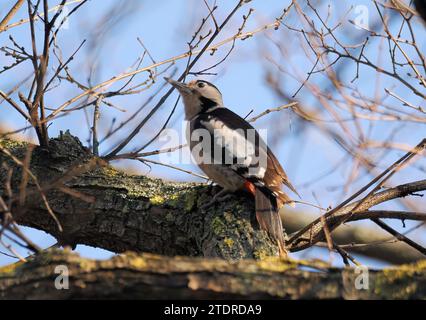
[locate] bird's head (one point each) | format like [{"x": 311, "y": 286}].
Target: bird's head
[{"x": 198, "y": 96}]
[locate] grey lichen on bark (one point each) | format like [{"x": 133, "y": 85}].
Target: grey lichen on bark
[{"x": 131, "y": 212}]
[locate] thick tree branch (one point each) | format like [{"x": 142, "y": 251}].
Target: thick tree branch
[
  {"x": 132, "y": 212},
  {"x": 157, "y": 277},
  {"x": 106, "y": 208}
]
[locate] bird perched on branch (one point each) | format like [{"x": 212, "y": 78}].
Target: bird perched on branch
[{"x": 233, "y": 155}]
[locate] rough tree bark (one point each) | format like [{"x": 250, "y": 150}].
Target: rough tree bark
[
  {"x": 106, "y": 208},
  {"x": 131, "y": 212},
  {"x": 150, "y": 276},
  {"x": 150, "y": 215}
]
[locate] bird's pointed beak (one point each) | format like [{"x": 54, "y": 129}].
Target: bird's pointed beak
[{"x": 180, "y": 86}]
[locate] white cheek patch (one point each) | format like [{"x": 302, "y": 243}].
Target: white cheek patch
[{"x": 212, "y": 93}]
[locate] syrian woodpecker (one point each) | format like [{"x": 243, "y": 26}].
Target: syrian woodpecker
[{"x": 232, "y": 153}]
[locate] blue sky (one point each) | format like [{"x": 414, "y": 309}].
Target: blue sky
[{"x": 165, "y": 27}]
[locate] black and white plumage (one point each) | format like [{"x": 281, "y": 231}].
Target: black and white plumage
[{"x": 233, "y": 155}]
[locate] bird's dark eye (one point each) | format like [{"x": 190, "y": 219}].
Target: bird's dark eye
[{"x": 201, "y": 84}]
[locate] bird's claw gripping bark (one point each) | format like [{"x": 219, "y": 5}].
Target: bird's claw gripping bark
[{"x": 218, "y": 197}]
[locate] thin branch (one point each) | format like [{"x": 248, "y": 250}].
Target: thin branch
[
  {"x": 267, "y": 111},
  {"x": 10, "y": 14},
  {"x": 169, "y": 92}
]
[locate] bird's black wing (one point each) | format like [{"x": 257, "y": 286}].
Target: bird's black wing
[{"x": 275, "y": 174}]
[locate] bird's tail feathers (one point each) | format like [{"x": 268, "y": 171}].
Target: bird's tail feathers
[
  {"x": 269, "y": 219},
  {"x": 282, "y": 198}
]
